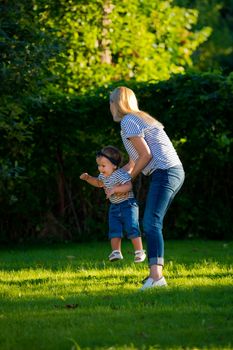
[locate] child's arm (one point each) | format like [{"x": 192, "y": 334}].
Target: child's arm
[
  {"x": 123, "y": 188},
  {"x": 94, "y": 181}
]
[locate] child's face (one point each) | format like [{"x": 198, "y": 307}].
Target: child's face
[{"x": 105, "y": 166}]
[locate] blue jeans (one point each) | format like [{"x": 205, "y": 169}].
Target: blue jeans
[
  {"x": 123, "y": 217},
  {"x": 164, "y": 186}
]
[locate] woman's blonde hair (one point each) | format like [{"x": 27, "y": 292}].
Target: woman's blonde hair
[{"x": 126, "y": 102}]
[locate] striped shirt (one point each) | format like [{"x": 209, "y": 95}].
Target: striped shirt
[
  {"x": 164, "y": 155},
  {"x": 118, "y": 177}
]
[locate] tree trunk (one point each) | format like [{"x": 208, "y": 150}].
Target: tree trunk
[{"x": 106, "y": 56}]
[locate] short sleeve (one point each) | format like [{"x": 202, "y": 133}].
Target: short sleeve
[
  {"x": 123, "y": 176},
  {"x": 101, "y": 177},
  {"x": 131, "y": 127}
]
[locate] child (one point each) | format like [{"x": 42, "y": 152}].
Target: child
[{"x": 123, "y": 211}]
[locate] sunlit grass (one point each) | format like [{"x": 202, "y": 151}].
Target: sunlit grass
[{"x": 71, "y": 297}]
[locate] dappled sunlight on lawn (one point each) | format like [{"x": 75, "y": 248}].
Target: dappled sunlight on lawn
[{"x": 96, "y": 304}]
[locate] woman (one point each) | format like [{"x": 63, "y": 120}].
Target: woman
[{"x": 152, "y": 153}]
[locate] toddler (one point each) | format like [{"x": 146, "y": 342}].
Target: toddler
[{"x": 123, "y": 210}]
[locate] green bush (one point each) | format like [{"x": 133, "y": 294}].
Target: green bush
[
  {"x": 50, "y": 139},
  {"x": 196, "y": 111}
]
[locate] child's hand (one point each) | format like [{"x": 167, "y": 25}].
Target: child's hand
[{"x": 84, "y": 176}]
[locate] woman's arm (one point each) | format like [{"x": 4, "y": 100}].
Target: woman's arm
[
  {"x": 123, "y": 188},
  {"x": 144, "y": 155},
  {"x": 94, "y": 181},
  {"x": 129, "y": 166}
]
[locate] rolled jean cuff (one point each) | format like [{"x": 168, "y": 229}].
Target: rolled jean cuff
[
  {"x": 135, "y": 235},
  {"x": 156, "y": 261}
]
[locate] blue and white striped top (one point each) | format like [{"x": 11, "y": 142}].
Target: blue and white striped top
[
  {"x": 164, "y": 155},
  {"x": 118, "y": 177}
]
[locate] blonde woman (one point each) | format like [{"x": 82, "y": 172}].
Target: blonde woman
[{"x": 152, "y": 153}]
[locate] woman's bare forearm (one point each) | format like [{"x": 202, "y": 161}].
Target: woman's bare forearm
[{"x": 144, "y": 155}]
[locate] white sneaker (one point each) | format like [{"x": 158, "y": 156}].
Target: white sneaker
[
  {"x": 151, "y": 283},
  {"x": 140, "y": 256},
  {"x": 115, "y": 255}
]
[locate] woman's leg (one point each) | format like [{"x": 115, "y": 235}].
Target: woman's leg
[{"x": 163, "y": 188}]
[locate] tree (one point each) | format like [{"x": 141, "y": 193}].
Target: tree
[
  {"x": 117, "y": 40},
  {"x": 25, "y": 49},
  {"x": 216, "y": 52}
]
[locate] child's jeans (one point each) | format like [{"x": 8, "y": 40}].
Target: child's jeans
[{"x": 123, "y": 217}]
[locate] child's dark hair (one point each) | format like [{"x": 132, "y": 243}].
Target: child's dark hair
[{"x": 111, "y": 153}]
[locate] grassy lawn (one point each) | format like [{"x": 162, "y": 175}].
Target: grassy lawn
[{"x": 70, "y": 297}]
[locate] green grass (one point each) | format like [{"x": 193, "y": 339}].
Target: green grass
[{"x": 70, "y": 297}]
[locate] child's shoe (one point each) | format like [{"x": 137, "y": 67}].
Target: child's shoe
[
  {"x": 140, "y": 256},
  {"x": 115, "y": 255}
]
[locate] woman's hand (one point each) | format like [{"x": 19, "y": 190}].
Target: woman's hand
[
  {"x": 109, "y": 192},
  {"x": 120, "y": 191}
]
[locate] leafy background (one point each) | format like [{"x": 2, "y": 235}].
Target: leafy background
[{"x": 60, "y": 59}]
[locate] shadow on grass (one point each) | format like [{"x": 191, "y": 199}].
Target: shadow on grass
[
  {"x": 94, "y": 255},
  {"x": 110, "y": 311},
  {"x": 200, "y": 317}
]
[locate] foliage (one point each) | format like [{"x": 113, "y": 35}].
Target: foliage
[
  {"x": 196, "y": 111},
  {"x": 41, "y": 194},
  {"x": 24, "y": 54},
  {"x": 25, "y": 49},
  {"x": 216, "y": 52},
  {"x": 50, "y": 50},
  {"x": 119, "y": 40},
  {"x": 77, "y": 299}
]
